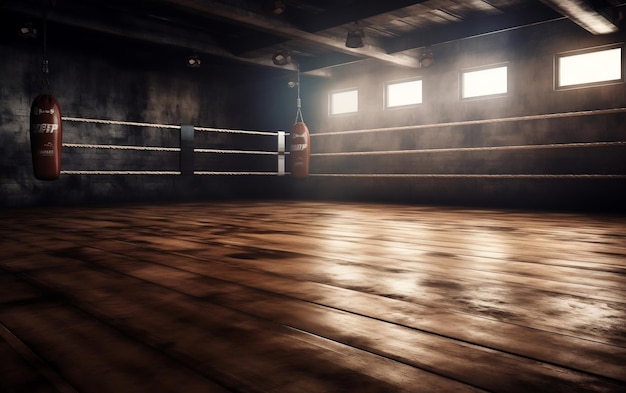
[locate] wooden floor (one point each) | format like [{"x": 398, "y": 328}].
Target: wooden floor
[{"x": 310, "y": 297}]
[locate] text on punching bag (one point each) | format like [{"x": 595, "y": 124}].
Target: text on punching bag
[{"x": 46, "y": 128}]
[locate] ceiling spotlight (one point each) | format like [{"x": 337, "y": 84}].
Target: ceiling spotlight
[
  {"x": 28, "y": 30},
  {"x": 276, "y": 7},
  {"x": 426, "y": 58},
  {"x": 194, "y": 61},
  {"x": 355, "y": 39},
  {"x": 281, "y": 57}
]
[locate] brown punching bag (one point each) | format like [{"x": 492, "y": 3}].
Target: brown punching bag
[
  {"x": 46, "y": 132},
  {"x": 300, "y": 150}
]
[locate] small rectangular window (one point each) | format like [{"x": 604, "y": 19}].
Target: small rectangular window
[
  {"x": 403, "y": 93},
  {"x": 491, "y": 81},
  {"x": 342, "y": 102},
  {"x": 589, "y": 68}
]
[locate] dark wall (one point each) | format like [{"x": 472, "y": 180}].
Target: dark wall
[
  {"x": 97, "y": 77},
  {"x": 557, "y": 175}
]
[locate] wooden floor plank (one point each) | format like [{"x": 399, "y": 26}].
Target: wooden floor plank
[
  {"x": 490, "y": 333},
  {"x": 188, "y": 330},
  {"x": 325, "y": 296},
  {"x": 16, "y": 375},
  {"x": 95, "y": 358},
  {"x": 187, "y": 276},
  {"x": 483, "y": 293},
  {"x": 424, "y": 351}
]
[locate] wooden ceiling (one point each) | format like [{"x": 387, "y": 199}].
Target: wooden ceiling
[{"x": 313, "y": 32}]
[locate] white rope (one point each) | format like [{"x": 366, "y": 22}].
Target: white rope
[
  {"x": 117, "y": 122},
  {"x": 121, "y": 172},
  {"x": 472, "y": 176},
  {"x": 171, "y": 126},
  {"x": 221, "y": 151},
  {"x": 483, "y": 148},
  {"x": 120, "y": 147},
  {"x": 361, "y": 175},
  {"x": 231, "y": 131},
  {"x": 476, "y": 122},
  {"x": 216, "y": 173}
]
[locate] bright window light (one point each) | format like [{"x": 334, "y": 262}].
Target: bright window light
[
  {"x": 404, "y": 93},
  {"x": 485, "y": 82},
  {"x": 590, "y": 67},
  {"x": 344, "y": 102}
]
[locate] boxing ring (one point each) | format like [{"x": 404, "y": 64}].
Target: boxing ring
[
  {"x": 188, "y": 149},
  {"x": 186, "y": 146}
]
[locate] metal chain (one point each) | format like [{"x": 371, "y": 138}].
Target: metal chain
[
  {"x": 299, "y": 101},
  {"x": 45, "y": 80}
]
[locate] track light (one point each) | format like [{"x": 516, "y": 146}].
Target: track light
[
  {"x": 276, "y": 7},
  {"x": 355, "y": 39},
  {"x": 194, "y": 61},
  {"x": 28, "y": 30},
  {"x": 281, "y": 57},
  {"x": 426, "y": 58}
]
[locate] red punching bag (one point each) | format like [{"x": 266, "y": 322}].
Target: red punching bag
[
  {"x": 46, "y": 132},
  {"x": 300, "y": 150}
]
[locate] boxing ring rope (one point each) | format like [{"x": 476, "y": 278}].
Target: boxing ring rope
[
  {"x": 230, "y": 131},
  {"x": 280, "y": 152},
  {"x": 238, "y": 173},
  {"x": 70, "y": 172},
  {"x": 473, "y": 149},
  {"x": 119, "y": 123},
  {"x": 120, "y": 147},
  {"x": 482, "y": 148},
  {"x": 469, "y": 176},
  {"x": 571, "y": 145},
  {"x": 545, "y": 116},
  {"x": 222, "y": 151}
]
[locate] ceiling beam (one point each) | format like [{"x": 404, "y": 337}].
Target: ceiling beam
[
  {"x": 583, "y": 14},
  {"x": 512, "y": 19},
  {"x": 342, "y": 15},
  {"x": 275, "y": 26}
]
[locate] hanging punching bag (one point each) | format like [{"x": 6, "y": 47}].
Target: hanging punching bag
[
  {"x": 46, "y": 132},
  {"x": 300, "y": 150}
]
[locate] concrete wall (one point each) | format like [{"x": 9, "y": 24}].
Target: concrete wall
[
  {"x": 529, "y": 54},
  {"x": 150, "y": 85},
  {"x": 103, "y": 80}
]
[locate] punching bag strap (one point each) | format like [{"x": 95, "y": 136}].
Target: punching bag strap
[
  {"x": 299, "y": 101},
  {"x": 45, "y": 81}
]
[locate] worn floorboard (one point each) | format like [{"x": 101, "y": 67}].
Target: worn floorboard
[{"x": 293, "y": 296}]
